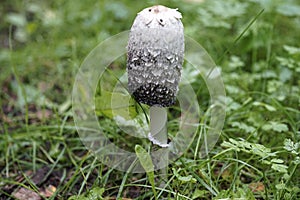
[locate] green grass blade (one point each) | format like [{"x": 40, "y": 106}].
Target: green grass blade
[{"x": 241, "y": 34}]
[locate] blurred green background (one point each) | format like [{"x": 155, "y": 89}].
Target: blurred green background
[{"x": 256, "y": 45}]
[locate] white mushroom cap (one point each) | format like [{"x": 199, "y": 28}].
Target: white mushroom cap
[
  {"x": 155, "y": 55},
  {"x": 158, "y": 15}
]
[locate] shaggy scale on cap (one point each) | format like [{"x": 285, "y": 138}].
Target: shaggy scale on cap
[{"x": 155, "y": 56}]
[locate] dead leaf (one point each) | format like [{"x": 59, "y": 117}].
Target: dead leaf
[
  {"x": 26, "y": 194},
  {"x": 257, "y": 187},
  {"x": 49, "y": 191}
]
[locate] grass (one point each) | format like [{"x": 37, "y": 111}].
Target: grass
[{"x": 257, "y": 154}]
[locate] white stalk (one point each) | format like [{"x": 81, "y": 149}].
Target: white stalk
[{"x": 158, "y": 126}]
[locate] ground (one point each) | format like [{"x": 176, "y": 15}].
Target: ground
[{"x": 255, "y": 45}]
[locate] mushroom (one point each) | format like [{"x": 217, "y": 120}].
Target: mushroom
[{"x": 154, "y": 64}]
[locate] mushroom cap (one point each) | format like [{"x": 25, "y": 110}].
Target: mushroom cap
[{"x": 155, "y": 56}]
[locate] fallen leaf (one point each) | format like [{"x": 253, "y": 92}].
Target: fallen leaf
[
  {"x": 49, "y": 191},
  {"x": 257, "y": 187},
  {"x": 26, "y": 194}
]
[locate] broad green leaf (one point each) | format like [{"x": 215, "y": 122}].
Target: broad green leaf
[
  {"x": 230, "y": 103},
  {"x": 261, "y": 150},
  {"x": 188, "y": 178},
  {"x": 279, "y": 167},
  {"x": 145, "y": 158},
  {"x": 96, "y": 193},
  {"x": 16, "y": 19},
  {"x": 296, "y": 161},
  {"x": 274, "y": 85},
  {"x": 292, "y": 147},
  {"x": 227, "y": 9},
  {"x": 280, "y": 186},
  {"x": 291, "y": 50},
  {"x": 235, "y": 62},
  {"x": 275, "y": 126},
  {"x": 243, "y": 144},
  {"x": 115, "y": 104},
  {"x": 199, "y": 193},
  {"x": 243, "y": 126},
  {"x": 209, "y": 20},
  {"x": 289, "y": 10},
  {"x": 175, "y": 171},
  {"x": 256, "y": 149},
  {"x": 146, "y": 162},
  {"x": 268, "y": 107},
  {"x": 276, "y": 160},
  {"x": 269, "y": 74},
  {"x": 230, "y": 145},
  {"x": 285, "y": 75},
  {"x": 286, "y": 62}
]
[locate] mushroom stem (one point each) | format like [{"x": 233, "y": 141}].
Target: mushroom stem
[
  {"x": 159, "y": 136},
  {"x": 158, "y": 126}
]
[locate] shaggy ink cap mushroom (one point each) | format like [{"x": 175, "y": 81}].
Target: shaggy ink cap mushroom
[{"x": 155, "y": 56}]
